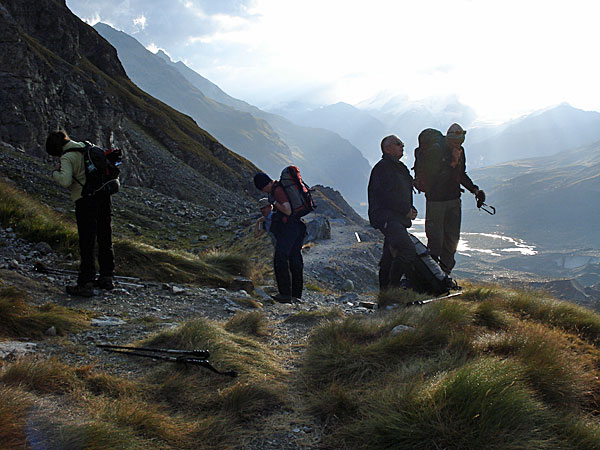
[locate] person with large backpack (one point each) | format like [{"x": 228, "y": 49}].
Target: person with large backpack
[
  {"x": 84, "y": 169},
  {"x": 391, "y": 211},
  {"x": 440, "y": 170},
  {"x": 291, "y": 200}
]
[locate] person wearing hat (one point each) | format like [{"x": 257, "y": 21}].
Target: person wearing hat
[
  {"x": 391, "y": 211},
  {"x": 289, "y": 232},
  {"x": 263, "y": 224},
  {"x": 443, "y": 213}
]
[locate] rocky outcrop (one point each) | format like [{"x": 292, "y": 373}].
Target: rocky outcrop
[
  {"x": 57, "y": 72},
  {"x": 330, "y": 203}
]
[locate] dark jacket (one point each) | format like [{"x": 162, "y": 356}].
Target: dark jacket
[
  {"x": 444, "y": 180},
  {"x": 390, "y": 193}
]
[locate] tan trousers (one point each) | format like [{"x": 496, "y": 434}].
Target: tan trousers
[{"x": 442, "y": 226}]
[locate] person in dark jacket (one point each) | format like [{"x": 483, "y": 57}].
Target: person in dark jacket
[
  {"x": 93, "y": 215},
  {"x": 443, "y": 207},
  {"x": 289, "y": 232},
  {"x": 391, "y": 211}
]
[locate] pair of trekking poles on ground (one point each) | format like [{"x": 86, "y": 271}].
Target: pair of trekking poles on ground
[{"x": 187, "y": 357}]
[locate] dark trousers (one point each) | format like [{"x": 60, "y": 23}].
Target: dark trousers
[
  {"x": 398, "y": 255},
  {"x": 442, "y": 226},
  {"x": 288, "y": 263},
  {"x": 93, "y": 216}
]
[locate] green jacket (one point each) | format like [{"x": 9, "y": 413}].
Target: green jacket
[{"x": 71, "y": 169}]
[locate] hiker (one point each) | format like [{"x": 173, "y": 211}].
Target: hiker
[
  {"x": 93, "y": 215},
  {"x": 289, "y": 234},
  {"x": 443, "y": 205},
  {"x": 391, "y": 211},
  {"x": 263, "y": 224}
]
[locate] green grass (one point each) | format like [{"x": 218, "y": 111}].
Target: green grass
[
  {"x": 172, "y": 406},
  {"x": 36, "y": 222},
  {"x": 249, "y": 323},
  {"x": 20, "y": 319},
  {"x": 494, "y": 369}
]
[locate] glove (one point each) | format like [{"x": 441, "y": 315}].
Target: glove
[{"x": 480, "y": 196}]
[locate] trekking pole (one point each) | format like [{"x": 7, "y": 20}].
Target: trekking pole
[
  {"x": 39, "y": 267},
  {"x": 430, "y": 300},
  {"x": 488, "y": 209},
  {"x": 183, "y": 359},
  {"x": 199, "y": 353}
]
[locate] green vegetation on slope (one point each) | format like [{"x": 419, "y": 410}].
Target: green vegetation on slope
[
  {"x": 172, "y": 407},
  {"x": 495, "y": 369},
  {"x": 36, "y": 222}
]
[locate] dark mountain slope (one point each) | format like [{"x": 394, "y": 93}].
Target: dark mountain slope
[{"x": 58, "y": 72}]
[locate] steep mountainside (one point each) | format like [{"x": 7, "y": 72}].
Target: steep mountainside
[
  {"x": 72, "y": 79},
  {"x": 552, "y": 200},
  {"x": 323, "y": 156},
  {"x": 245, "y": 134}
]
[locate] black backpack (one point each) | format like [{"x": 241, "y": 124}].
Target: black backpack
[
  {"x": 297, "y": 191},
  {"x": 101, "y": 170},
  {"x": 430, "y": 145},
  {"x": 426, "y": 276}
]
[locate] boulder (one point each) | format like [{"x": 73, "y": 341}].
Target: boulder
[{"x": 318, "y": 228}]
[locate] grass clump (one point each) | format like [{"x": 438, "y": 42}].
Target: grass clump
[
  {"x": 14, "y": 406},
  {"x": 35, "y": 221},
  {"x": 173, "y": 406},
  {"x": 483, "y": 404},
  {"x": 143, "y": 261},
  {"x": 20, "y": 319},
  {"x": 398, "y": 296},
  {"x": 249, "y": 323},
  {"x": 41, "y": 376},
  {"x": 493, "y": 368}
]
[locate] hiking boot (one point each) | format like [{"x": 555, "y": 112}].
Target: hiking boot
[
  {"x": 104, "y": 283},
  {"x": 282, "y": 298},
  {"x": 81, "y": 290}
]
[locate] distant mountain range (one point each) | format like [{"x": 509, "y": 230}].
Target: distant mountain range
[
  {"x": 551, "y": 200},
  {"x": 268, "y": 140},
  {"x": 542, "y": 133}
]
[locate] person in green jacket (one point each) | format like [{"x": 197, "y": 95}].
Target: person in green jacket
[{"x": 93, "y": 214}]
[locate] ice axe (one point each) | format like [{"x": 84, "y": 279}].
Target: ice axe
[{"x": 487, "y": 208}]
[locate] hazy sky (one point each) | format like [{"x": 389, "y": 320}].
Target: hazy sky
[{"x": 502, "y": 57}]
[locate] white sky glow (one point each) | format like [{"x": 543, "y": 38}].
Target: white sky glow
[{"x": 501, "y": 57}]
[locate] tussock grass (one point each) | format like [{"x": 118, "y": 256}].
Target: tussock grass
[
  {"x": 538, "y": 306},
  {"x": 398, "y": 296},
  {"x": 483, "y": 404},
  {"x": 20, "y": 319},
  {"x": 35, "y": 221},
  {"x": 14, "y": 405},
  {"x": 41, "y": 376},
  {"x": 171, "y": 407},
  {"x": 250, "y": 323},
  {"x": 147, "y": 262},
  {"x": 493, "y": 368},
  {"x": 88, "y": 435}
]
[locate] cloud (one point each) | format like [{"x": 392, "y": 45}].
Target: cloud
[
  {"x": 140, "y": 22},
  {"x": 501, "y": 57}
]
